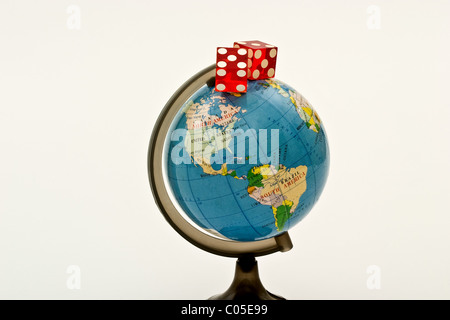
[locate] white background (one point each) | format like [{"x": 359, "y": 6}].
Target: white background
[{"x": 77, "y": 107}]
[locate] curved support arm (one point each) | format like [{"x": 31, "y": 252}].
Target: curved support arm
[{"x": 202, "y": 240}]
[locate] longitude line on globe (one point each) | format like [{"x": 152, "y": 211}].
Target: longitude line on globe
[
  {"x": 260, "y": 151},
  {"x": 243, "y": 213},
  {"x": 309, "y": 154}
]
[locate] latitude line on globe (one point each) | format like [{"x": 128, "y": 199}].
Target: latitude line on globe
[
  {"x": 238, "y": 167},
  {"x": 210, "y": 199}
]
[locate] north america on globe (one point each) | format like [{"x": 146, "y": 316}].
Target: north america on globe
[{"x": 247, "y": 166}]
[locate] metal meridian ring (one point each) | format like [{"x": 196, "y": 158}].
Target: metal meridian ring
[{"x": 228, "y": 248}]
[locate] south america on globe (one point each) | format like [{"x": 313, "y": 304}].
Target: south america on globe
[{"x": 247, "y": 166}]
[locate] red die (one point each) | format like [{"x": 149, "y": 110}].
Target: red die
[
  {"x": 262, "y": 58},
  {"x": 231, "y": 70}
]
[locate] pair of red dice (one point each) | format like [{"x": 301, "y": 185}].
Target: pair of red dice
[{"x": 252, "y": 60}]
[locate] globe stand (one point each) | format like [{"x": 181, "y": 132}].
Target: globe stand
[{"x": 246, "y": 284}]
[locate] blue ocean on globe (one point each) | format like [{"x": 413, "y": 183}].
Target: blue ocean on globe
[{"x": 247, "y": 166}]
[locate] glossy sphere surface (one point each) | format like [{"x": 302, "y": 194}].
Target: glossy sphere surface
[{"x": 247, "y": 166}]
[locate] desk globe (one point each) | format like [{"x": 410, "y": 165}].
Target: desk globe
[{"x": 233, "y": 172}]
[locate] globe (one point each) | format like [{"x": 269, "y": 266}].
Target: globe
[{"x": 246, "y": 166}]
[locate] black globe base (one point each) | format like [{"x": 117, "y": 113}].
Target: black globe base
[{"x": 246, "y": 284}]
